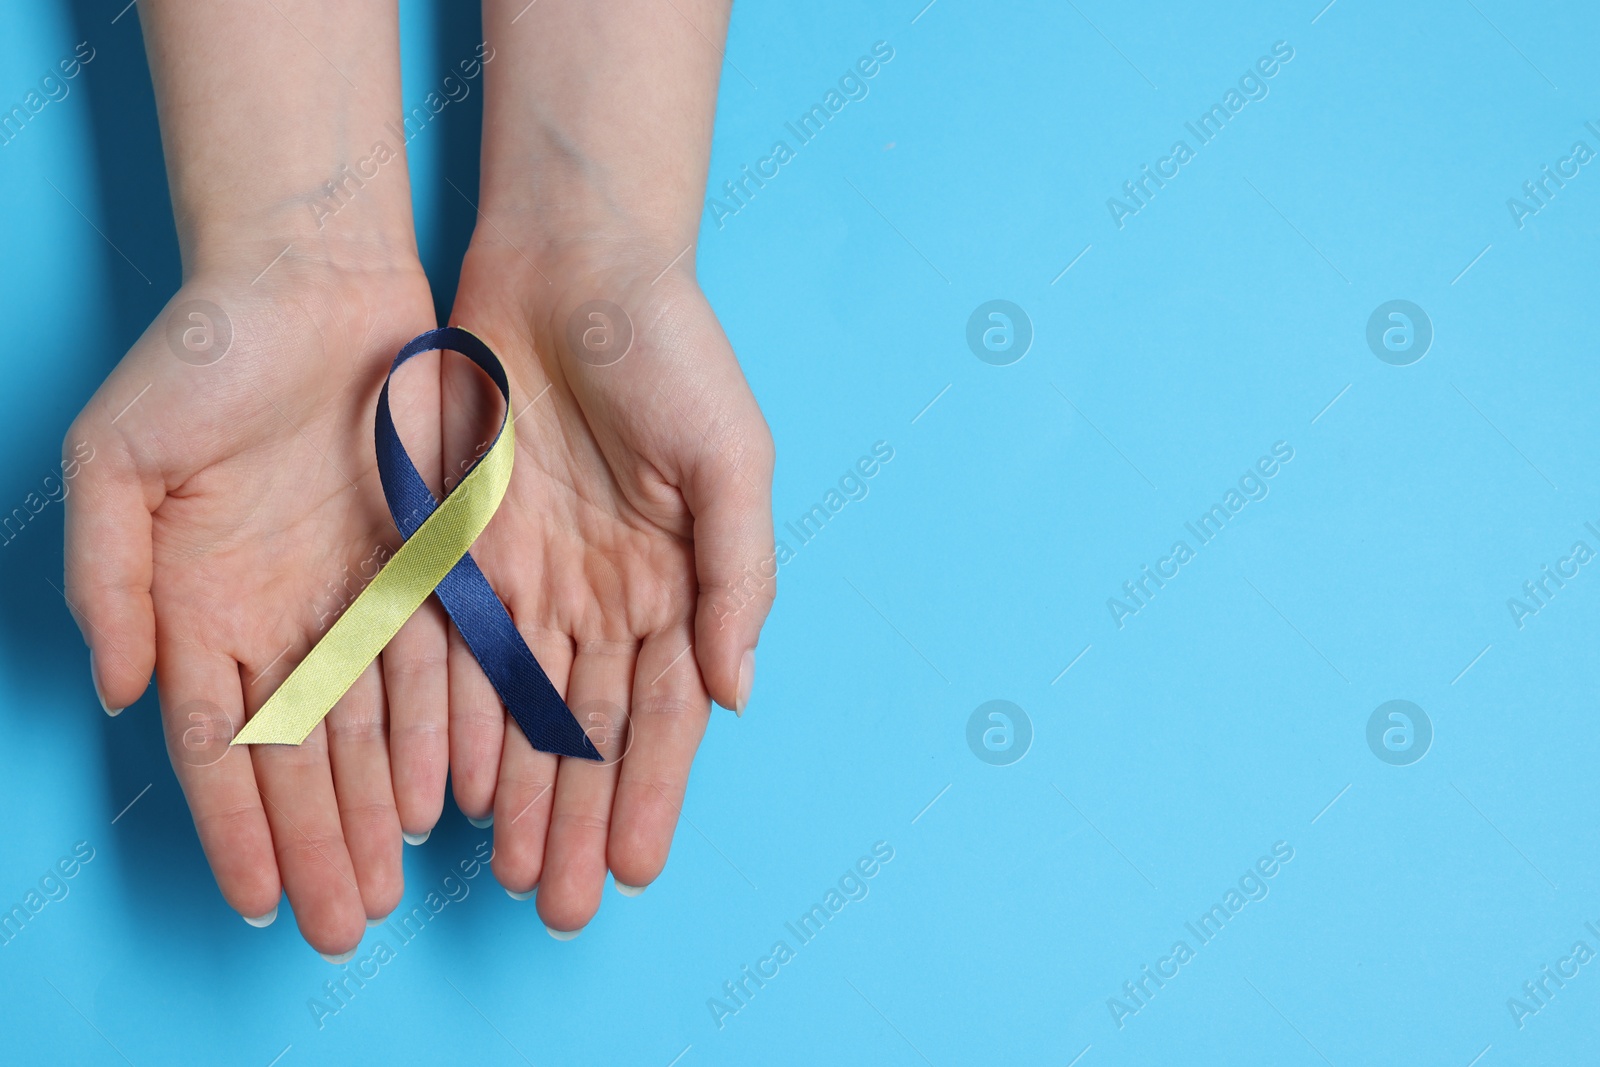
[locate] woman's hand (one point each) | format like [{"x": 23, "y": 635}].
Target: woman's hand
[
  {"x": 633, "y": 550},
  {"x": 230, "y": 512}
]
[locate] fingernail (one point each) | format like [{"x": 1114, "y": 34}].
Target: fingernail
[
  {"x": 483, "y": 823},
  {"x": 262, "y": 920},
  {"x": 564, "y": 935},
  {"x": 523, "y": 896},
  {"x": 747, "y": 678},
  {"x": 343, "y": 957},
  {"x": 415, "y": 839},
  {"x": 94, "y": 676},
  {"x": 377, "y": 922},
  {"x": 630, "y": 890}
]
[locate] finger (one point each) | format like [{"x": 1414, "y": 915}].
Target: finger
[
  {"x": 669, "y": 713},
  {"x": 202, "y": 707},
  {"x": 297, "y": 789},
  {"x": 358, "y": 752},
  {"x": 575, "y": 855},
  {"x": 108, "y": 567},
  {"x": 730, "y": 496},
  {"x": 417, "y": 685},
  {"x": 525, "y": 793},
  {"x": 477, "y": 731}
]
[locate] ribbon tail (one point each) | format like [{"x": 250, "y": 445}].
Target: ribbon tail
[
  {"x": 496, "y": 643},
  {"x": 374, "y": 617}
]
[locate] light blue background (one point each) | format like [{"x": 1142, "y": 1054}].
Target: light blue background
[{"x": 1224, "y": 717}]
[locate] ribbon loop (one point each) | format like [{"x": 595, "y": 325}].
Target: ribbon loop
[{"x": 433, "y": 559}]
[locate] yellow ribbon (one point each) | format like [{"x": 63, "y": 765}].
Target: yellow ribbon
[{"x": 374, "y": 617}]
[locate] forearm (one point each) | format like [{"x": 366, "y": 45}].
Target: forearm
[
  {"x": 277, "y": 121},
  {"x": 597, "y": 122}
]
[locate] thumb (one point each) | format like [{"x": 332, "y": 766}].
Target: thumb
[
  {"x": 731, "y": 500},
  {"x": 108, "y": 563}
]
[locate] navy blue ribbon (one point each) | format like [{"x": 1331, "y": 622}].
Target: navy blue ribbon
[{"x": 477, "y": 612}]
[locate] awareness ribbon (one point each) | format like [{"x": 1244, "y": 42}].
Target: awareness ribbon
[{"x": 433, "y": 559}]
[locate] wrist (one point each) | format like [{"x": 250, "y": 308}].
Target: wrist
[
  {"x": 564, "y": 212},
  {"x": 571, "y": 274},
  {"x": 252, "y": 251},
  {"x": 305, "y": 303},
  {"x": 358, "y": 217},
  {"x": 576, "y": 243}
]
